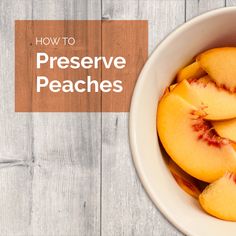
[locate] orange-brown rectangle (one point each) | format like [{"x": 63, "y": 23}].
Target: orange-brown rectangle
[
  {"x": 43, "y": 86},
  {"x": 129, "y": 39}
]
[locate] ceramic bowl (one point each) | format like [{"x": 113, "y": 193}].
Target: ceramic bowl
[{"x": 212, "y": 29}]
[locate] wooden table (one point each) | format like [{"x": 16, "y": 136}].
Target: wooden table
[{"x": 64, "y": 174}]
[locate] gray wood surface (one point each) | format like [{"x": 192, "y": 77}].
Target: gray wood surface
[
  {"x": 67, "y": 149},
  {"x": 16, "y": 133},
  {"x": 196, "y": 7},
  {"x": 72, "y": 174},
  {"x": 230, "y": 3},
  {"x": 123, "y": 198}
]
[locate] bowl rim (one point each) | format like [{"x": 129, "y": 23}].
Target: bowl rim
[{"x": 134, "y": 105}]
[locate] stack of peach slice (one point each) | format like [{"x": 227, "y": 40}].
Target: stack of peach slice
[{"x": 196, "y": 123}]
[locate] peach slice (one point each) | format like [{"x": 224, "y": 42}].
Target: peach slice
[
  {"x": 218, "y": 198},
  {"x": 218, "y": 103},
  {"x": 220, "y": 64},
  {"x": 185, "y": 181},
  {"x": 192, "y": 71},
  {"x": 184, "y": 90},
  {"x": 190, "y": 140},
  {"x": 172, "y": 86},
  {"x": 169, "y": 89},
  {"x": 226, "y": 128}
]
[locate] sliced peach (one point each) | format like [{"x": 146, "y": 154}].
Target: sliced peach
[
  {"x": 220, "y": 64},
  {"x": 192, "y": 71},
  {"x": 218, "y": 103},
  {"x": 172, "y": 86},
  {"x": 218, "y": 198},
  {"x": 226, "y": 128},
  {"x": 184, "y": 90},
  {"x": 169, "y": 89},
  {"x": 184, "y": 180},
  {"x": 190, "y": 140}
]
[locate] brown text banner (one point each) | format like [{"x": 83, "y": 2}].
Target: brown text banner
[{"x": 77, "y": 66}]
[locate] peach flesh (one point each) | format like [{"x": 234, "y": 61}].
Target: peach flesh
[
  {"x": 201, "y": 81},
  {"x": 218, "y": 198},
  {"x": 207, "y": 133},
  {"x": 190, "y": 71},
  {"x": 184, "y": 180},
  {"x": 191, "y": 141},
  {"x": 203, "y": 128},
  {"x": 226, "y": 128},
  {"x": 232, "y": 177},
  {"x": 219, "y": 103},
  {"x": 220, "y": 64}
]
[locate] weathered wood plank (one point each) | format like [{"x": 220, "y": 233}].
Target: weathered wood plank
[
  {"x": 65, "y": 201},
  {"x": 67, "y": 150},
  {"x": 230, "y": 3},
  {"x": 126, "y": 209},
  {"x": 196, "y": 7},
  {"x": 15, "y": 129},
  {"x": 15, "y": 188}
]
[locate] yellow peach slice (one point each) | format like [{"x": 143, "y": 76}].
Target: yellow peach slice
[
  {"x": 226, "y": 128},
  {"x": 172, "y": 86},
  {"x": 220, "y": 64},
  {"x": 192, "y": 71},
  {"x": 184, "y": 90},
  {"x": 218, "y": 198},
  {"x": 190, "y": 140},
  {"x": 169, "y": 89},
  {"x": 218, "y": 103},
  {"x": 185, "y": 181}
]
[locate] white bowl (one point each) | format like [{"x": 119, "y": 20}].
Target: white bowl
[{"x": 212, "y": 29}]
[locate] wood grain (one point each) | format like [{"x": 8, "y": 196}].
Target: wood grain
[
  {"x": 196, "y": 7},
  {"x": 16, "y": 132},
  {"x": 87, "y": 35},
  {"x": 126, "y": 209},
  {"x": 12, "y": 146},
  {"x": 230, "y": 3},
  {"x": 71, "y": 174},
  {"x": 66, "y": 183},
  {"x": 128, "y": 39}
]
